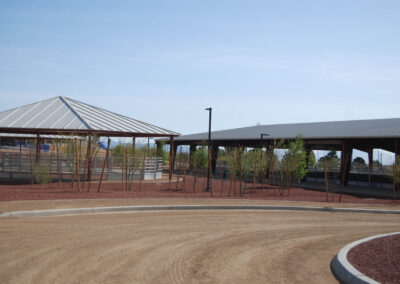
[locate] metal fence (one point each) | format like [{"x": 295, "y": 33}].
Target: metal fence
[{"x": 18, "y": 166}]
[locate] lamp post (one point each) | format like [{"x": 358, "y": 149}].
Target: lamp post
[{"x": 208, "y": 188}]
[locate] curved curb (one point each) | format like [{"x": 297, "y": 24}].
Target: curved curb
[
  {"x": 347, "y": 273},
  {"x": 94, "y": 210}
]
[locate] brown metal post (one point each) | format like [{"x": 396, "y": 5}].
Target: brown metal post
[{"x": 171, "y": 156}]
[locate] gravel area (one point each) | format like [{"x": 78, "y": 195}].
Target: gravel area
[
  {"x": 379, "y": 259},
  {"x": 162, "y": 189}
]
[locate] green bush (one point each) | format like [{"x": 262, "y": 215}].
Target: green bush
[{"x": 41, "y": 173}]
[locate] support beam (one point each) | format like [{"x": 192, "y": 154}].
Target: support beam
[
  {"x": 370, "y": 159},
  {"x": 192, "y": 150},
  {"x": 345, "y": 164},
  {"x": 370, "y": 163}
]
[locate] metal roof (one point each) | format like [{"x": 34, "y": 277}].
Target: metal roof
[
  {"x": 372, "y": 128},
  {"x": 33, "y": 136},
  {"x": 64, "y": 115}
]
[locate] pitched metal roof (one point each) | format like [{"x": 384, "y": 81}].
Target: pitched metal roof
[
  {"x": 372, "y": 128},
  {"x": 65, "y": 115},
  {"x": 33, "y": 136}
]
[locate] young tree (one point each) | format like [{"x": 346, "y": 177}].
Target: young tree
[
  {"x": 200, "y": 163},
  {"x": 359, "y": 164},
  {"x": 332, "y": 160},
  {"x": 162, "y": 153},
  {"x": 294, "y": 161},
  {"x": 312, "y": 162}
]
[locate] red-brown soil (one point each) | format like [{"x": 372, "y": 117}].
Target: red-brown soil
[
  {"x": 164, "y": 189},
  {"x": 379, "y": 259}
]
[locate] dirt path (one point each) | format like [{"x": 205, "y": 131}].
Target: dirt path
[
  {"x": 25, "y": 205},
  {"x": 181, "y": 247}
]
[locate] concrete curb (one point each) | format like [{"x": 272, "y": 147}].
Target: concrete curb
[
  {"x": 347, "y": 273},
  {"x": 97, "y": 210}
]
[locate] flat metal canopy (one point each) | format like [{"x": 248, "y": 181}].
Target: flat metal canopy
[{"x": 352, "y": 129}]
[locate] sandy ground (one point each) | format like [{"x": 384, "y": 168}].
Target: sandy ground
[
  {"x": 181, "y": 247},
  {"x": 26, "y": 205}
]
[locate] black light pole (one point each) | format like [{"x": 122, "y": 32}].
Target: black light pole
[{"x": 208, "y": 188}]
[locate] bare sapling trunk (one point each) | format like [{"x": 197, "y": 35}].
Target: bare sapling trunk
[
  {"x": 51, "y": 166},
  {"x": 394, "y": 178},
  {"x": 142, "y": 174},
  {"x": 77, "y": 165},
  {"x": 194, "y": 179},
  {"x": 233, "y": 177},
  {"x": 326, "y": 180},
  {"x": 290, "y": 177},
  {"x": 210, "y": 172},
  {"x": 104, "y": 164},
  {"x": 254, "y": 179},
  {"x": 123, "y": 172},
  {"x": 273, "y": 176},
  {"x": 126, "y": 167},
  {"x": 184, "y": 175},
  {"x": 91, "y": 164},
  {"x": 178, "y": 176},
  {"x": 31, "y": 162},
  {"x": 84, "y": 168},
  {"x": 71, "y": 164},
  {"x": 58, "y": 165},
  {"x": 221, "y": 176},
  {"x": 132, "y": 168},
  {"x": 204, "y": 176},
  {"x": 87, "y": 165}
]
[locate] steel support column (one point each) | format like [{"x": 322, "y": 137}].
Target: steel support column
[
  {"x": 345, "y": 164},
  {"x": 370, "y": 159}
]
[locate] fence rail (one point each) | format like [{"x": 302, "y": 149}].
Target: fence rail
[{"x": 18, "y": 166}]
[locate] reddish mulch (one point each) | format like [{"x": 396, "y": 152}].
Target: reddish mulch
[
  {"x": 379, "y": 259},
  {"x": 161, "y": 190}
]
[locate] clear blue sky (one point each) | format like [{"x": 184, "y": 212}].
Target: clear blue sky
[{"x": 163, "y": 62}]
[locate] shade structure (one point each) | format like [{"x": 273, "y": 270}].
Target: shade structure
[
  {"x": 62, "y": 115},
  {"x": 352, "y": 129}
]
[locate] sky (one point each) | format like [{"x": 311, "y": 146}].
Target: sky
[{"x": 164, "y": 62}]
